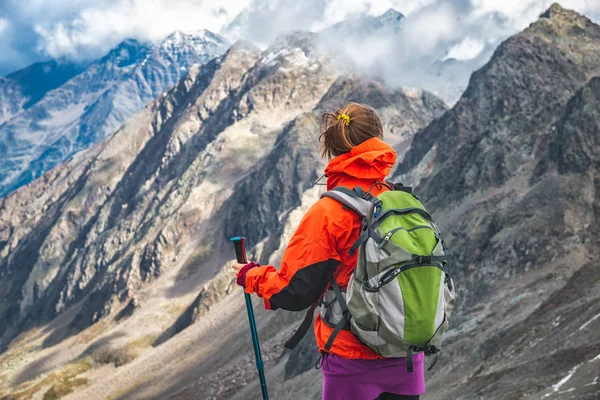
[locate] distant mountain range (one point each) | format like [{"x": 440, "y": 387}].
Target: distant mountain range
[{"x": 53, "y": 110}]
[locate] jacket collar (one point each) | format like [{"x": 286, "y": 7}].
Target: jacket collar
[{"x": 369, "y": 162}]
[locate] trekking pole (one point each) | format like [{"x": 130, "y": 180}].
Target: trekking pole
[{"x": 240, "y": 253}]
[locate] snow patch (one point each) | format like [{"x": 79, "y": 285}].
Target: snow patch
[
  {"x": 595, "y": 382},
  {"x": 566, "y": 391},
  {"x": 589, "y": 322},
  {"x": 413, "y": 93},
  {"x": 564, "y": 380},
  {"x": 182, "y": 42},
  {"x": 597, "y": 358},
  {"x": 294, "y": 58}
]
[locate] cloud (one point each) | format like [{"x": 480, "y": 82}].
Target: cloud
[
  {"x": 442, "y": 42},
  {"x": 88, "y": 28},
  {"x": 467, "y": 49},
  {"x": 96, "y": 28},
  {"x": 264, "y": 20},
  {"x": 3, "y": 25}
]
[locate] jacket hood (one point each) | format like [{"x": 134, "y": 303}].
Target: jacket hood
[{"x": 371, "y": 160}]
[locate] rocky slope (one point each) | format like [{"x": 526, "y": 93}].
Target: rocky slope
[
  {"x": 93, "y": 103},
  {"x": 129, "y": 237},
  {"x": 516, "y": 161}
]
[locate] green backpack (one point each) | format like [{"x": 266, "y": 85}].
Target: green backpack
[{"x": 400, "y": 297}]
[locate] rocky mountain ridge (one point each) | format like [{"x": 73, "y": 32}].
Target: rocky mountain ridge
[{"x": 519, "y": 205}]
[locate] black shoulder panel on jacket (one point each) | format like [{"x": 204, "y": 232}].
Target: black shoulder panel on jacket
[{"x": 305, "y": 287}]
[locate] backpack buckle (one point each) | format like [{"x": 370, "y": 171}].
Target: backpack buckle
[{"x": 422, "y": 259}]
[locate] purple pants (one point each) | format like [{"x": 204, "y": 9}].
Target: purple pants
[{"x": 345, "y": 379}]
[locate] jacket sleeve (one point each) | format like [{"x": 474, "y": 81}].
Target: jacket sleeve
[{"x": 307, "y": 266}]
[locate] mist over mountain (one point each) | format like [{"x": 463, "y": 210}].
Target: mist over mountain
[{"x": 389, "y": 47}]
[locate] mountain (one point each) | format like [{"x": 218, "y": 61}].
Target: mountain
[
  {"x": 388, "y": 23},
  {"x": 516, "y": 160},
  {"x": 123, "y": 251},
  {"x": 25, "y": 87},
  {"x": 93, "y": 103},
  {"x": 39, "y": 78}
]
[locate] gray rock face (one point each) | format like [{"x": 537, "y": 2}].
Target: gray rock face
[
  {"x": 23, "y": 88},
  {"x": 95, "y": 102},
  {"x": 509, "y": 174}
]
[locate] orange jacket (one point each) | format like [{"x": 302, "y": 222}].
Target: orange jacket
[{"x": 319, "y": 249}]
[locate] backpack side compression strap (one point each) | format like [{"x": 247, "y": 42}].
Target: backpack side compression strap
[{"x": 344, "y": 322}]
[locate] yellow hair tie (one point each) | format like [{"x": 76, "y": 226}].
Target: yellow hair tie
[{"x": 345, "y": 117}]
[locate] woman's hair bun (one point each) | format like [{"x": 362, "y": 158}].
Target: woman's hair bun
[{"x": 348, "y": 127}]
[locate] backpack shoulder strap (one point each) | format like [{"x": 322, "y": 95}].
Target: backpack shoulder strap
[
  {"x": 351, "y": 199},
  {"x": 302, "y": 329}
]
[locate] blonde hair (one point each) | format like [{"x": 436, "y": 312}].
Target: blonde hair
[{"x": 348, "y": 127}]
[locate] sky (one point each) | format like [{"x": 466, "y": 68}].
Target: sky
[{"x": 33, "y": 30}]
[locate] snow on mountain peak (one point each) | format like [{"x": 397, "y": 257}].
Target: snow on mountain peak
[
  {"x": 292, "y": 51},
  {"x": 200, "y": 40}
]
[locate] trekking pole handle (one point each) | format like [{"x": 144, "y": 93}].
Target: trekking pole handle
[{"x": 240, "y": 249}]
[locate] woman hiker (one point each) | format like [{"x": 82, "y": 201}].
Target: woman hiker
[{"x": 352, "y": 138}]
